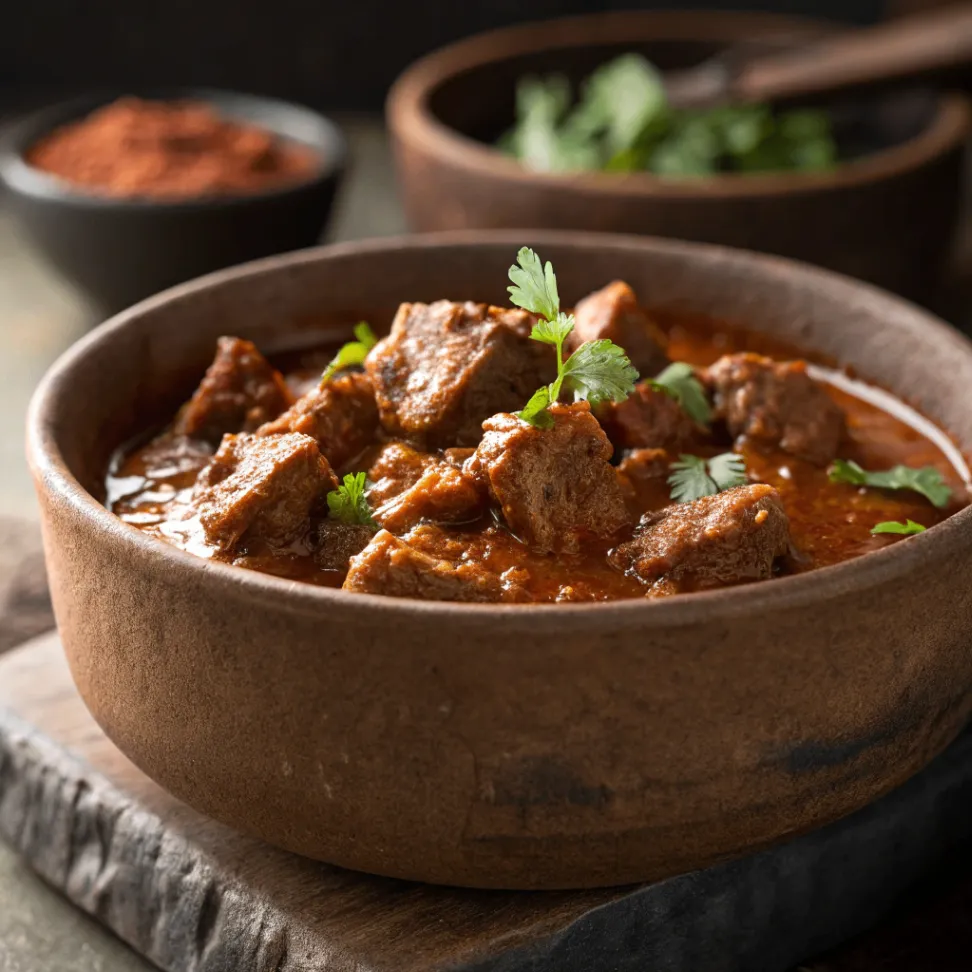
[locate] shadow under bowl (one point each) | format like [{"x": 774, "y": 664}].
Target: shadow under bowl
[
  {"x": 120, "y": 250},
  {"x": 887, "y": 214},
  {"x": 557, "y": 746}
]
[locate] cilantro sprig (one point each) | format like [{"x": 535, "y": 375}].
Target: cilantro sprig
[
  {"x": 679, "y": 381},
  {"x": 906, "y": 529},
  {"x": 693, "y": 477},
  {"x": 598, "y": 371},
  {"x": 351, "y": 354},
  {"x": 348, "y": 502},
  {"x": 927, "y": 480}
]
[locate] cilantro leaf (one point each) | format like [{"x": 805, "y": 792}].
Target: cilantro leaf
[
  {"x": 534, "y": 285},
  {"x": 927, "y": 480},
  {"x": 622, "y": 98},
  {"x": 538, "y": 139},
  {"x": 693, "y": 477},
  {"x": 351, "y": 354},
  {"x": 728, "y": 470},
  {"x": 599, "y": 371},
  {"x": 348, "y": 503},
  {"x": 553, "y": 331},
  {"x": 679, "y": 381},
  {"x": 908, "y": 528},
  {"x": 535, "y": 411}
]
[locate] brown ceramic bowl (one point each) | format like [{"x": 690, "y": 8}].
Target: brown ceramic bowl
[
  {"x": 887, "y": 216},
  {"x": 503, "y": 746}
]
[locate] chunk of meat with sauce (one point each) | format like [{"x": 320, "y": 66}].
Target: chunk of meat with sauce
[
  {"x": 392, "y": 566},
  {"x": 395, "y": 468},
  {"x": 446, "y": 367},
  {"x": 342, "y": 417},
  {"x": 643, "y": 474},
  {"x": 442, "y": 494},
  {"x": 335, "y": 543},
  {"x": 649, "y": 419},
  {"x": 239, "y": 392},
  {"x": 776, "y": 403},
  {"x": 613, "y": 313},
  {"x": 731, "y": 538},
  {"x": 261, "y": 488},
  {"x": 556, "y": 486}
]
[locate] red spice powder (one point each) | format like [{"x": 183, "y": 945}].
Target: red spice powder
[{"x": 170, "y": 150}]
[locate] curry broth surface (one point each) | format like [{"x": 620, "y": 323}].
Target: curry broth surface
[{"x": 829, "y": 523}]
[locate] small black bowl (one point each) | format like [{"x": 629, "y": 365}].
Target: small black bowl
[{"x": 119, "y": 250}]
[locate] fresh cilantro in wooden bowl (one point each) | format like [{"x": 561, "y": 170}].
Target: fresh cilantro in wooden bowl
[
  {"x": 621, "y": 121},
  {"x": 870, "y": 188}
]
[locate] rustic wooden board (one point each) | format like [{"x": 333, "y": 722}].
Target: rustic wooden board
[{"x": 192, "y": 895}]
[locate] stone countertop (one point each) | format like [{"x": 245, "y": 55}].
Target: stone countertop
[{"x": 40, "y": 316}]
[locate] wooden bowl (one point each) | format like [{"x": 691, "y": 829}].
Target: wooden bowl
[
  {"x": 507, "y": 746},
  {"x": 887, "y": 217}
]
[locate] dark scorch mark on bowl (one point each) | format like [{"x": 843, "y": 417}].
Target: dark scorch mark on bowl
[
  {"x": 546, "y": 781},
  {"x": 812, "y": 755}
]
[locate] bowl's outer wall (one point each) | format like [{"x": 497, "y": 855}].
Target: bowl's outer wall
[
  {"x": 894, "y": 230},
  {"x": 117, "y": 257},
  {"x": 516, "y": 748}
]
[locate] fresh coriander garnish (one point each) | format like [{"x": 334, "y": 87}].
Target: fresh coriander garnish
[
  {"x": 679, "y": 381},
  {"x": 353, "y": 353},
  {"x": 348, "y": 503},
  {"x": 927, "y": 480},
  {"x": 693, "y": 477},
  {"x": 905, "y": 529},
  {"x": 598, "y": 371},
  {"x": 534, "y": 288}
]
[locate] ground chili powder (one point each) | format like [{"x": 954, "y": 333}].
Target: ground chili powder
[{"x": 170, "y": 150}]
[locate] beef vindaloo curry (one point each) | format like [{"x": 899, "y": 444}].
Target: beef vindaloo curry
[{"x": 481, "y": 453}]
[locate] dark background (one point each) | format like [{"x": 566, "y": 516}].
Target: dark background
[{"x": 337, "y": 54}]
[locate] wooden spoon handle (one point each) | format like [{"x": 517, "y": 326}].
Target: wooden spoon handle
[{"x": 918, "y": 47}]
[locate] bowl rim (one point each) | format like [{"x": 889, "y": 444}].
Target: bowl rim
[
  {"x": 894, "y": 562},
  {"x": 413, "y": 123},
  {"x": 21, "y": 178}
]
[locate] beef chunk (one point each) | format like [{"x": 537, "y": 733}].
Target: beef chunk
[
  {"x": 335, "y": 543},
  {"x": 649, "y": 419},
  {"x": 442, "y": 494},
  {"x": 555, "y": 486},
  {"x": 259, "y": 488},
  {"x": 613, "y": 313},
  {"x": 392, "y": 566},
  {"x": 342, "y": 417},
  {"x": 457, "y": 457},
  {"x": 446, "y": 367},
  {"x": 643, "y": 474},
  {"x": 396, "y": 467},
  {"x": 777, "y": 403},
  {"x": 716, "y": 541},
  {"x": 408, "y": 486},
  {"x": 239, "y": 392}
]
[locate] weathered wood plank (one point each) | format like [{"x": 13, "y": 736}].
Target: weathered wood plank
[{"x": 25, "y": 605}]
